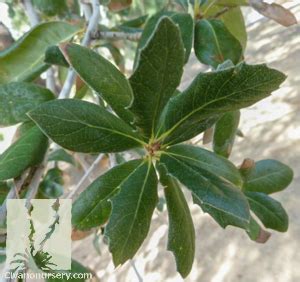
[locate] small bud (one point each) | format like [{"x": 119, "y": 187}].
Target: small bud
[{"x": 247, "y": 166}]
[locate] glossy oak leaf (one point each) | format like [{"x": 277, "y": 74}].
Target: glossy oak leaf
[
  {"x": 210, "y": 179},
  {"x": 268, "y": 176},
  {"x": 215, "y": 93},
  {"x": 225, "y": 132},
  {"x": 18, "y": 98},
  {"x": 157, "y": 75},
  {"x": 256, "y": 233},
  {"x": 214, "y": 43},
  {"x": 84, "y": 127},
  {"x": 184, "y": 22},
  {"x": 30, "y": 50},
  {"x": 268, "y": 210},
  {"x": 102, "y": 76},
  {"x": 181, "y": 235},
  {"x": 27, "y": 151},
  {"x": 54, "y": 56},
  {"x": 233, "y": 18},
  {"x": 132, "y": 210},
  {"x": 60, "y": 155},
  {"x": 93, "y": 208}
]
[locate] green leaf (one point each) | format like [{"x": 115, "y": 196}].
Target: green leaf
[
  {"x": 54, "y": 56},
  {"x": 225, "y": 133},
  {"x": 207, "y": 179},
  {"x": 93, "y": 208},
  {"x": 132, "y": 210},
  {"x": 268, "y": 210},
  {"x": 27, "y": 151},
  {"x": 23, "y": 128},
  {"x": 4, "y": 189},
  {"x": 256, "y": 233},
  {"x": 60, "y": 155},
  {"x": 157, "y": 74},
  {"x": 116, "y": 55},
  {"x": 214, "y": 43},
  {"x": 102, "y": 76},
  {"x": 18, "y": 98},
  {"x": 215, "y": 93},
  {"x": 51, "y": 7},
  {"x": 235, "y": 22},
  {"x": 184, "y": 22},
  {"x": 51, "y": 186},
  {"x": 268, "y": 176},
  {"x": 181, "y": 237},
  {"x": 184, "y": 4},
  {"x": 233, "y": 18},
  {"x": 232, "y": 3},
  {"x": 132, "y": 24},
  {"x": 209, "y": 161},
  {"x": 84, "y": 127},
  {"x": 76, "y": 268},
  {"x": 30, "y": 50}
]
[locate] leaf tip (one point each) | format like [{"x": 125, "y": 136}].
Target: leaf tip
[{"x": 263, "y": 236}]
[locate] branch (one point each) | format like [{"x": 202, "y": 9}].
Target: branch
[
  {"x": 35, "y": 182},
  {"x": 50, "y": 80},
  {"x": 31, "y": 13},
  {"x": 221, "y": 13},
  {"x": 12, "y": 194},
  {"x": 75, "y": 191},
  {"x": 117, "y": 35}
]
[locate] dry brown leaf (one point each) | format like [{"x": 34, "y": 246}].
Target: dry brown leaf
[
  {"x": 275, "y": 12},
  {"x": 119, "y": 5},
  {"x": 79, "y": 83},
  {"x": 208, "y": 135},
  {"x": 6, "y": 38},
  {"x": 79, "y": 234}
]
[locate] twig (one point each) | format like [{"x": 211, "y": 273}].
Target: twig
[
  {"x": 93, "y": 23},
  {"x": 221, "y": 13},
  {"x": 12, "y": 194},
  {"x": 75, "y": 191},
  {"x": 112, "y": 160},
  {"x": 35, "y": 182},
  {"x": 66, "y": 89},
  {"x": 87, "y": 10},
  {"x": 117, "y": 35},
  {"x": 139, "y": 277},
  {"x": 31, "y": 13},
  {"x": 50, "y": 80}
]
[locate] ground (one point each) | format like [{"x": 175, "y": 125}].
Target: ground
[{"x": 272, "y": 130}]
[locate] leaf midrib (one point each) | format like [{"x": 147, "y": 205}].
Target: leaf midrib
[
  {"x": 138, "y": 205},
  {"x": 199, "y": 161},
  {"x": 211, "y": 102},
  {"x": 216, "y": 39},
  {"x": 112, "y": 192},
  {"x": 93, "y": 126},
  {"x": 208, "y": 204},
  {"x": 268, "y": 211}
]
